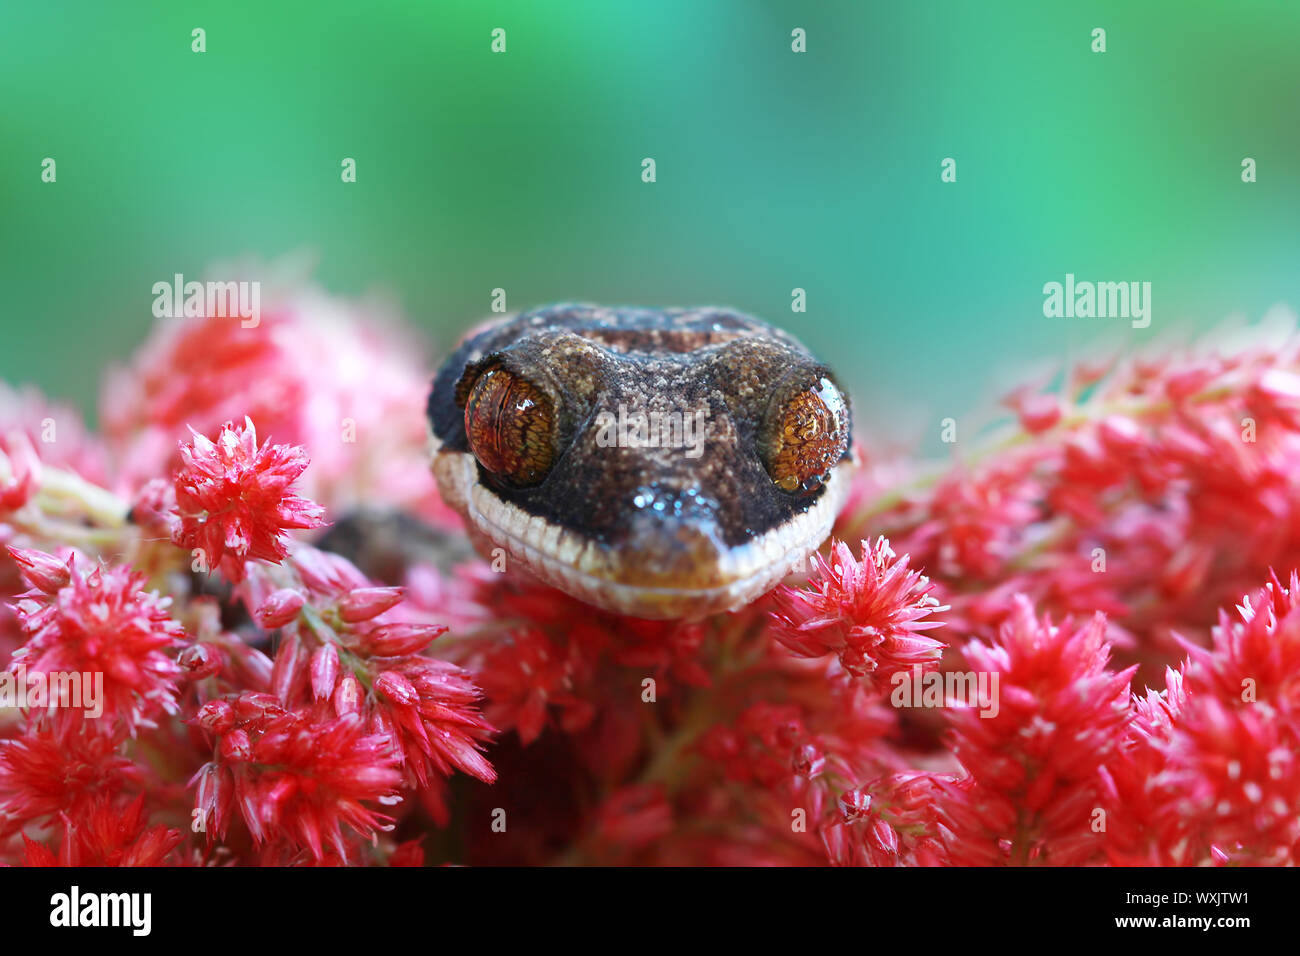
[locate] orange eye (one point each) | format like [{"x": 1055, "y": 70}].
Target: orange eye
[
  {"x": 508, "y": 425},
  {"x": 805, "y": 436}
]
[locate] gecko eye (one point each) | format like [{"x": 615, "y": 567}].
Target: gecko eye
[
  {"x": 803, "y": 436},
  {"x": 508, "y": 422}
]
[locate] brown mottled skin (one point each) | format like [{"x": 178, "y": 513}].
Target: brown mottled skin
[{"x": 587, "y": 359}]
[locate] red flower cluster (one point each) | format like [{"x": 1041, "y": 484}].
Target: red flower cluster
[
  {"x": 233, "y": 499},
  {"x": 353, "y": 714},
  {"x": 341, "y": 379},
  {"x": 106, "y": 835},
  {"x": 1227, "y": 786},
  {"x": 311, "y": 707},
  {"x": 98, "y": 622},
  {"x": 871, "y": 613},
  {"x": 294, "y": 778},
  {"x": 341, "y": 643},
  {"x": 1035, "y": 783},
  {"x": 1158, "y": 491},
  {"x": 48, "y": 774},
  {"x": 303, "y": 756}
]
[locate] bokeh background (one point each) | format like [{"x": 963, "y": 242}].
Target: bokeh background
[{"x": 775, "y": 170}]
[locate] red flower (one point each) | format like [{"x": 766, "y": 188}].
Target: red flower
[
  {"x": 45, "y": 773},
  {"x": 20, "y": 470},
  {"x": 234, "y": 498},
  {"x": 339, "y": 631},
  {"x": 315, "y": 369},
  {"x": 430, "y": 709},
  {"x": 51, "y": 431},
  {"x": 1232, "y": 778},
  {"x": 1037, "y": 764},
  {"x": 869, "y": 612},
  {"x": 760, "y": 747},
  {"x": 975, "y": 522},
  {"x": 107, "y": 834},
  {"x": 100, "y": 621},
  {"x": 1140, "y": 829},
  {"x": 526, "y": 673},
  {"x": 295, "y": 778},
  {"x": 1231, "y": 774},
  {"x": 1257, "y": 651},
  {"x": 895, "y": 822}
]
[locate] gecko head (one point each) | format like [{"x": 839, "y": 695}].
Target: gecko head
[{"x": 656, "y": 463}]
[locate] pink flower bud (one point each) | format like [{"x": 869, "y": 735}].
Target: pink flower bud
[
  {"x": 366, "y": 603},
  {"x": 40, "y": 570},
  {"x": 855, "y": 804},
  {"x": 1039, "y": 412},
  {"x": 236, "y": 747},
  {"x": 1089, "y": 373},
  {"x": 254, "y": 667},
  {"x": 216, "y": 716},
  {"x": 213, "y": 797},
  {"x": 809, "y": 761},
  {"x": 24, "y": 471},
  {"x": 154, "y": 510},
  {"x": 347, "y": 696},
  {"x": 327, "y": 573},
  {"x": 256, "y": 707},
  {"x": 397, "y": 689},
  {"x": 199, "y": 661},
  {"x": 324, "y": 671},
  {"x": 280, "y": 608},
  {"x": 884, "y": 837},
  {"x": 400, "y": 639},
  {"x": 289, "y": 669}
]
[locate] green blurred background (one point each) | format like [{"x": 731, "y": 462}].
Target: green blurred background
[{"x": 775, "y": 170}]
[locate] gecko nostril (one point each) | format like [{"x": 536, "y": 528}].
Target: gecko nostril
[
  {"x": 674, "y": 533},
  {"x": 660, "y": 504}
]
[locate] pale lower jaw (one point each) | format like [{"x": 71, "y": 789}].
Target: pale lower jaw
[{"x": 591, "y": 573}]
